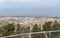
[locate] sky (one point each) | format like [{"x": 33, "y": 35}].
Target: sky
[{"x": 30, "y": 8}]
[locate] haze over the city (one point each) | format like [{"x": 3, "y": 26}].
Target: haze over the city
[{"x": 30, "y": 7}]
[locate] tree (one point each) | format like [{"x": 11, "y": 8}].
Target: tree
[
  {"x": 47, "y": 26},
  {"x": 18, "y": 29},
  {"x": 56, "y": 26},
  {"x": 36, "y": 29},
  {"x": 1, "y": 33},
  {"x": 8, "y": 29},
  {"x": 27, "y": 29}
]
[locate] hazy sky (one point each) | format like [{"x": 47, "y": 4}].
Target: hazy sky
[{"x": 30, "y": 7}]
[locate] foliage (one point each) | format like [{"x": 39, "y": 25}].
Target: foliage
[
  {"x": 8, "y": 29},
  {"x": 35, "y": 28},
  {"x": 22, "y": 29},
  {"x": 18, "y": 29},
  {"x": 56, "y": 26},
  {"x": 47, "y": 26},
  {"x": 27, "y": 29}
]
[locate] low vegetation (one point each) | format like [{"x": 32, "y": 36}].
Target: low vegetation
[{"x": 9, "y": 29}]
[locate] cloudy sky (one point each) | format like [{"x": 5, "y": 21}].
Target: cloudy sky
[{"x": 30, "y": 7}]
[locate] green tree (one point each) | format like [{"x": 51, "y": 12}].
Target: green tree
[
  {"x": 22, "y": 29},
  {"x": 27, "y": 29},
  {"x": 56, "y": 26},
  {"x": 47, "y": 26},
  {"x": 18, "y": 29},
  {"x": 36, "y": 29},
  {"x": 8, "y": 29}
]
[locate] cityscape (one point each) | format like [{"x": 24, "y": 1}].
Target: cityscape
[
  {"x": 19, "y": 25},
  {"x": 29, "y": 18}
]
